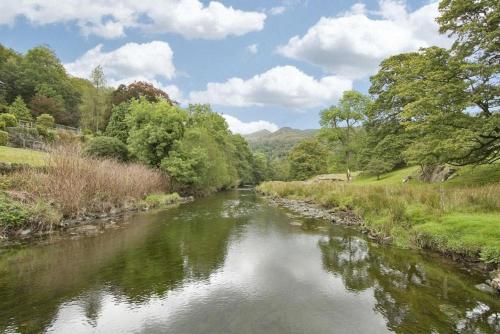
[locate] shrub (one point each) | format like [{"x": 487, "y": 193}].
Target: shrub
[
  {"x": 12, "y": 213},
  {"x": 46, "y": 121},
  {"x": 2, "y": 125},
  {"x": 107, "y": 147},
  {"x": 4, "y": 138},
  {"x": 9, "y": 120}
]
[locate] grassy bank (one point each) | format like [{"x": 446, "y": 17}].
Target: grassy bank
[
  {"x": 456, "y": 219},
  {"x": 72, "y": 186},
  {"x": 22, "y": 156}
]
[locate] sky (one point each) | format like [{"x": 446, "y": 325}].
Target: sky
[{"x": 263, "y": 64}]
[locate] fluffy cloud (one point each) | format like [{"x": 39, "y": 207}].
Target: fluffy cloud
[
  {"x": 284, "y": 86},
  {"x": 354, "y": 43},
  {"x": 149, "y": 60},
  {"x": 237, "y": 126},
  {"x": 131, "y": 62},
  {"x": 253, "y": 48},
  {"x": 110, "y": 19}
]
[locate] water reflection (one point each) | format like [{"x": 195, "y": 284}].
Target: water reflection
[
  {"x": 414, "y": 295},
  {"x": 233, "y": 264}
]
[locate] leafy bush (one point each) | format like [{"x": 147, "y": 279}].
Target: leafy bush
[
  {"x": 45, "y": 120},
  {"x": 2, "y": 125},
  {"x": 107, "y": 147},
  {"x": 9, "y": 120},
  {"x": 4, "y": 138},
  {"x": 12, "y": 213}
]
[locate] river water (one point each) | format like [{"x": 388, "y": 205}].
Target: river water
[{"x": 232, "y": 263}]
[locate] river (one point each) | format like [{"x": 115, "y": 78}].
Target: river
[{"x": 232, "y": 263}]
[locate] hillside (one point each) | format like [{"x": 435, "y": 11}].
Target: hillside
[{"x": 278, "y": 143}]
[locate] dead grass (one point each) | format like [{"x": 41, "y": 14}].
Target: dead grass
[{"x": 75, "y": 184}]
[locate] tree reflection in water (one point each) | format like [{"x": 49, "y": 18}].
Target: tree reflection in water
[{"x": 414, "y": 295}]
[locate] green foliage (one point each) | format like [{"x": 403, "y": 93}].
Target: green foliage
[
  {"x": 117, "y": 127},
  {"x": 46, "y": 121},
  {"x": 339, "y": 124},
  {"x": 154, "y": 128},
  {"x": 377, "y": 166},
  {"x": 19, "y": 109},
  {"x": 200, "y": 163},
  {"x": 155, "y": 200},
  {"x": 4, "y": 138},
  {"x": 2, "y": 125},
  {"x": 12, "y": 213},
  {"x": 95, "y": 108},
  {"x": 308, "y": 158},
  {"x": 9, "y": 120},
  {"x": 107, "y": 147}
]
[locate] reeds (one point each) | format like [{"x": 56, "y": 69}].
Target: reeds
[{"x": 76, "y": 184}]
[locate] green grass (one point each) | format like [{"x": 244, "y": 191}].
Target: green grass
[
  {"x": 476, "y": 175},
  {"x": 394, "y": 177},
  {"x": 21, "y": 155},
  {"x": 465, "y": 176},
  {"x": 469, "y": 234}
]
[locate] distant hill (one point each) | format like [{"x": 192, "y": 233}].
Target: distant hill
[{"x": 278, "y": 143}]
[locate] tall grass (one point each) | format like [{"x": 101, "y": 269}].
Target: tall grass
[
  {"x": 419, "y": 215},
  {"x": 76, "y": 184}
]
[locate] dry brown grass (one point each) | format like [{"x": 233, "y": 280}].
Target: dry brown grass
[{"x": 76, "y": 184}]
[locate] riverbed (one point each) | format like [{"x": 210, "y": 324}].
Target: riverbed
[{"x": 235, "y": 263}]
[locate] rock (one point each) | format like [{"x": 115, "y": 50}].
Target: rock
[
  {"x": 485, "y": 288},
  {"x": 495, "y": 279},
  {"x": 295, "y": 223},
  {"x": 26, "y": 232}
]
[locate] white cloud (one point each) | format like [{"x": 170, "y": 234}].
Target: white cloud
[
  {"x": 149, "y": 60},
  {"x": 237, "y": 126},
  {"x": 354, "y": 43},
  {"x": 111, "y": 19},
  {"x": 284, "y": 86},
  {"x": 253, "y": 48},
  {"x": 277, "y": 10}
]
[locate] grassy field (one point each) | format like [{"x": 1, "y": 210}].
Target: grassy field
[
  {"x": 21, "y": 155},
  {"x": 460, "y": 216},
  {"x": 466, "y": 176}
]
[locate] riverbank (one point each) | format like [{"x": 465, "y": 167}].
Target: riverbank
[
  {"x": 74, "y": 189},
  {"x": 462, "y": 223}
]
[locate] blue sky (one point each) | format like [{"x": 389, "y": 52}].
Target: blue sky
[{"x": 264, "y": 64}]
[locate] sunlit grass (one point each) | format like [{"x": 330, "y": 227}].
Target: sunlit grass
[{"x": 21, "y": 155}]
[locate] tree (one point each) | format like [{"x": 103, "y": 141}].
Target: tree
[
  {"x": 153, "y": 129},
  {"x": 19, "y": 109},
  {"x": 117, "y": 126},
  {"x": 422, "y": 102},
  {"x": 139, "y": 89},
  {"x": 475, "y": 24},
  {"x": 98, "y": 99},
  {"x": 308, "y": 158},
  {"x": 339, "y": 123},
  {"x": 377, "y": 166}
]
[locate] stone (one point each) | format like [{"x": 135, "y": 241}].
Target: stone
[
  {"x": 485, "y": 288},
  {"x": 24, "y": 233}
]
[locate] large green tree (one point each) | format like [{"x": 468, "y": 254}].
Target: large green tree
[
  {"x": 339, "y": 123},
  {"x": 153, "y": 129}
]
